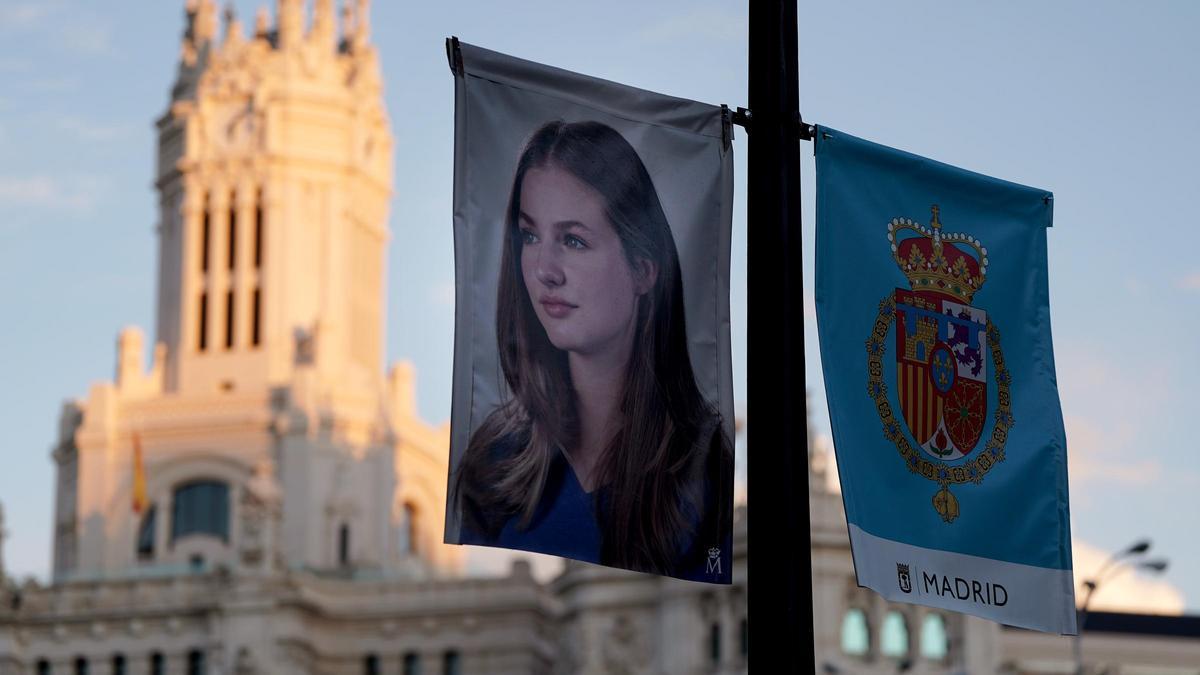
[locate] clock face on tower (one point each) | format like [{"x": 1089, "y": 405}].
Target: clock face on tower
[{"x": 237, "y": 127}]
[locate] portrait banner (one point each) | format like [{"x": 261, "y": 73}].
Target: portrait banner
[
  {"x": 592, "y": 413},
  {"x": 934, "y": 320}
]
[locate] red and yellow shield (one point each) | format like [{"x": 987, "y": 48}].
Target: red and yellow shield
[{"x": 941, "y": 376}]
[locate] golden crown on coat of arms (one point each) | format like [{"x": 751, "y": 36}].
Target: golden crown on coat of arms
[{"x": 934, "y": 262}]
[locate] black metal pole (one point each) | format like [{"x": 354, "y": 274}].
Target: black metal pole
[{"x": 780, "y": 562}]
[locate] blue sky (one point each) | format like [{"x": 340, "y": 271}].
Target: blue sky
[{"x": 1093, "y": 100}]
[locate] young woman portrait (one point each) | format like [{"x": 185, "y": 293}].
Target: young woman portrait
[{"x": 604, "y": 449}]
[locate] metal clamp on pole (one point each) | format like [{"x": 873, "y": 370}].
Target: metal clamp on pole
[
  {"x": 804, "y": 130},
  {"x": 744, "y": 118}
]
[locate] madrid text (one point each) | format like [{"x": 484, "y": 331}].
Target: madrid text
[{"x": 968, "y": 590}]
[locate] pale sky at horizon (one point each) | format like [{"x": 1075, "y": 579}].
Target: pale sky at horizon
[{"x": 1092, "y": 100}]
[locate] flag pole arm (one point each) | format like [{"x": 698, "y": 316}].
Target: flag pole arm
[{"x": 744, "y": 118}]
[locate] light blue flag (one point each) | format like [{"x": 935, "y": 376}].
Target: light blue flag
[{"x": 934, "y": 320}]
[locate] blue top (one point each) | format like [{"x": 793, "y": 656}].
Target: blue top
[{"x": 567, "y": 523}]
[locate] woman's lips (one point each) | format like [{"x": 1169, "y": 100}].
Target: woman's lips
[{"x": 556, "y": 308}]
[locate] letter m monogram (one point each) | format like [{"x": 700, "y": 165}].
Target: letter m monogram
[{"x": 713, "y": 566}]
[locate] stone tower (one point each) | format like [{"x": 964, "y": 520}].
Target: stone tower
[{"x": 265, "y": 431}]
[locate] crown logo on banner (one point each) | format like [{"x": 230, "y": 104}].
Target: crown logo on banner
[{"x": 934, "y": 262}]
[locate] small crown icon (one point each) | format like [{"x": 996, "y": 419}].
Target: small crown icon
[
  {"x": 714, "y": 553},
  {"x": 935, "y": 262}
]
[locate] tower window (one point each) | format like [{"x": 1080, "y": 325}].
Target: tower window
[
  {"x": 371, "y": 665},
  {"x": 118, "y": 664},
  {"x": 195, "y": 662},
  {"x": 204, "y": 239},
  {"x": 451, "y": 663},
  {"x": 344, "y": 545},
  {"x": 934, "y": 643},
  {"x": 43, "y": 667},
  {"x": 258, "y": 230},
  {"x": 232, "y": 230},
  {"x": 203, "y": 337},
  {"x": 201, "y": 507},
  {"x": 157, "y": 664},
  {"x": 411, "y": 533},
  {"x": 229, "y": 319},
  {"x": 256, "y": 319},
  {"x": 412, "y": 664},
  {"x": 81, "y": 666},
  {"x": 894, "y": 637},
  {"x": 856, "y": 636}
]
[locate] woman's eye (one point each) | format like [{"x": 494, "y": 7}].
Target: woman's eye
[
  {"x": 571, "y": 241},
  {"x": 528, "y": 237}
]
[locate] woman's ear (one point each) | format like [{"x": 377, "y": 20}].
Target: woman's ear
[{"x": 645, "y": 274}]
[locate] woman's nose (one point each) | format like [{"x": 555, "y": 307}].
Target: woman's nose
[{"x": 549, "y": 268}]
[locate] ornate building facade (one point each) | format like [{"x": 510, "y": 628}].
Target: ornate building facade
[{"x": 262, "y": 497}]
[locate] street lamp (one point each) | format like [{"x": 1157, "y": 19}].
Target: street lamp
[{"x": 1108, "y": 570}]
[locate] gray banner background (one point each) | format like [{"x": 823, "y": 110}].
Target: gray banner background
[{"x": 499, "y": 102}]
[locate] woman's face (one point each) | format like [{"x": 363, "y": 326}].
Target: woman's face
[{"x": 579, "y": 280}]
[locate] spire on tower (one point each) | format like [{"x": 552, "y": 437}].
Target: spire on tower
[
  {"x": 362, "y": 23},
  {"x": 262, "y": 23},
  {"x": 291, "y": 22},
  {"x": 233, "y": 27},
  {"x": 347, "y": 22},
  {"x": 206, "y": 21},
  {"x": 323, "y": 29}
]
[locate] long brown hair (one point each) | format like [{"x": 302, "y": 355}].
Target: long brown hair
[{"x": 670, "y": 440}]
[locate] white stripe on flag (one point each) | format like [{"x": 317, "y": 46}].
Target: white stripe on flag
[{"x": 1011, "y": 593}]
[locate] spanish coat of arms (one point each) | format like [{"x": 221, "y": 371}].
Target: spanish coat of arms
[{"x": 943, "y": 345}]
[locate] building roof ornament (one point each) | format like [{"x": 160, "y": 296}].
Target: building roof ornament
[
  {"x": 234, "y": 35},
  {"x": 362, "y": 24},
  {"x": 290, "y": 15},
  {"x": 262, "y": 23}
]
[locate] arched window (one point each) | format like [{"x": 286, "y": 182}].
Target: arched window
[
  {"x": 371, "y": 665},
  {"x": 893, "y": 639},
  {"x": 258, "y": 230},
  {"x": 205, "y": 236},
  {"x": 232, "y": 229},
  {"x": 934, "y": 644},
  {"x": 118, "y": 664},
  {"x": 229, "y": 314},
  {"x": 81, "y": 666},
  {"x": 195, "y": 662},
  {"x": 202, "y": 338},
  {"x": 201, "y": 507},
  {"x": 451, "y": 663},
  {"x": 856, "y": 635},
  {"x": 256, "y": 318},
  {"x": 145, "y": 539},
  {"x": 411, "y": 531},
  {"x": 43, "y": 667},
  {"x": 157, "y": 664},
  {"x": 412, "y": 664},
  {"x": 344, "y": 545}
]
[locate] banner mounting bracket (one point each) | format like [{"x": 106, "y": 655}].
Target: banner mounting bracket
[{"x": 744, "y": 118}]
